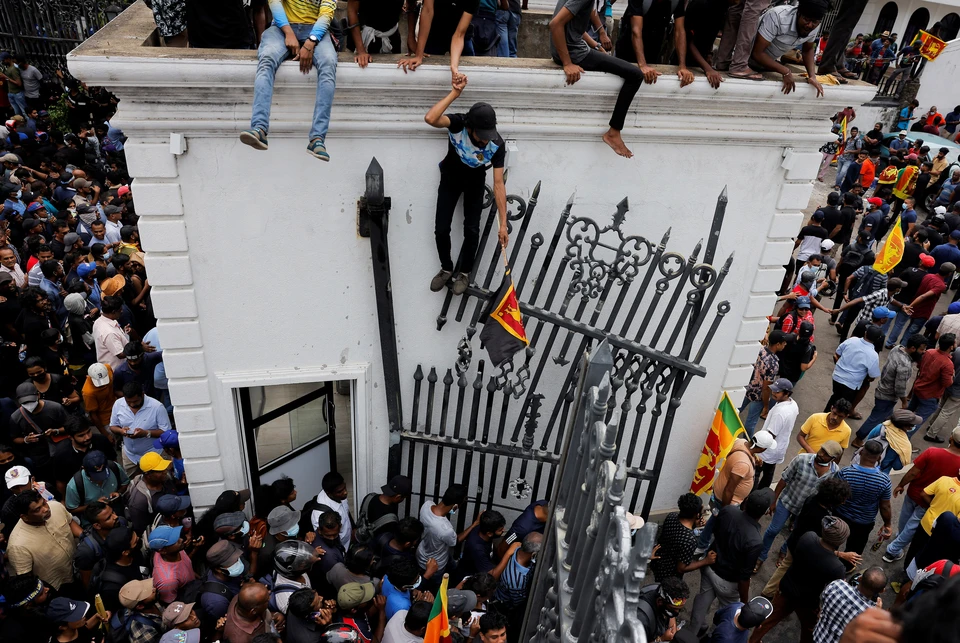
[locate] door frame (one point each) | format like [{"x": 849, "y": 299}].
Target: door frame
[{"x": 361, "y": 411}]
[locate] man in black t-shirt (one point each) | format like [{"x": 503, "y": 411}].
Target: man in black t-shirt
[
  {"x": 659, "y": 606},
  {"x": 68, "y": 454},
  {"x": 32, "y": 427},
  {"x": 473, "y": 144},
  {"x": 703, "y": 19},
  {"x": 443, "y": 28},
  {"x": 873, "y": 138},
  {"x": 374, "y": 28},
  {"x": 642, "y": 30}
]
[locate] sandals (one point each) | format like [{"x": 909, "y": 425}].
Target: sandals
[
  {"x": 745, "y": 76},
  {"x": 855, "y": 416}
]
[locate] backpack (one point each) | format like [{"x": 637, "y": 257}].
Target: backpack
[
  {"x": 121, "y": 622},
  {"x": 306, "y": 515},
  {"x": 796, "y": 320},
  {"x": 283, "y": 588},
  {"x": 366, "y": 530},
  {"x": 79, "y": 484},
  {"x": 648, "y": 596},
  {"x": 931, "y": 582},
  {"x": 137, "y": 485},
  {"x": 100, "y": 574}
]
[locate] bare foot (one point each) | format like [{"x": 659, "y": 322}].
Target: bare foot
[{"x": 613, "y": 139}]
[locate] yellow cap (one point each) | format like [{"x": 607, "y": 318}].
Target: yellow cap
[{"x": 153, "y": 462}]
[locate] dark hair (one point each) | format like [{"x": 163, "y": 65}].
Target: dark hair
[
  {"x": 50, "y": 336},
  {"x": 301, "y": 602},
  {"x": 97, "y": 251},
  {"x": 690, "y": 505},
  {"x": 70, "y": 258},
  {"x": 329, "y": 519},
  {"x": 132, "y": 388},
  {"x": 778, "y": 336},
  {"x": 492, "y": 621},
  {"x": 675, "y": 587},
  {"x": 93, "y": 510},
  {"x": 126, "y": 232},
  {"x": 833, "y": 198},
  {"x": 21, "y": 502},
  {"x": 483, "y": 585},
  {"x": 74, "y": 425},
  {"x": 418, "y": 616},
  {"x": 359, "y": 559},
  {"x": 281, "y": 488},
  {"x": 30, "y": 362},
  {"x": 815, "y": 257},
  {"x": 102, "y": 225},
  {"x": 409, "y": 530},
  {"x": 402, "y": 572},
  {"x": 873, "y": 448},
  {"x": 266, "y": 637},
  {"x": 31, "y": 296},
  {"x": 946, "y": 341},
  {"x": 843, "y": 405},
  {"x": 111, "y": 304},
  {"x": 833, "y": 492},
  {"x": 916, "y": 341},
  {"x": 119, "y": 261},
  {"x": 16, "y": 588},
  {"x": 456, "y": 494},
  {"x": 4, "y": 448},
  {"x": 491, "y": 521},
  {"x": 921, "y": 235},
  {"x": 331, "y": 481}
]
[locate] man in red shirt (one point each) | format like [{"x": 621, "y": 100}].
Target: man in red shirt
[
  {"x": 933, "y": 377},
  {"x": 920, "y": 309},
  {"x": 928, "y": 467}
]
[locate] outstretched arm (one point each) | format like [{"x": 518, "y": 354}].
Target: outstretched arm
[{"x": 436, "y": 117}]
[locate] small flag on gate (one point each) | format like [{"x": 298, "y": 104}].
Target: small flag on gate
[
  {"x": 503, "y": 333},
  {"x": 724, "y": 430},
  {"x": 891, "y": 250},
  {"x": 843, "y": 131},
  {"x": 930, "y": 45},
  {"x": 438, "y": 627}
]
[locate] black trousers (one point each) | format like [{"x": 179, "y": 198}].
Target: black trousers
[
  {"x": 764, "y": 476},
  {"x": 859, "y": 536},
  {"x": 847, "y": 18},
  {"x": 453, "y": 183},
  {"x": 843, "y": 271},
  {"x": 629, "y": 72},
  {"x": 849, "y": 315},
  {"x": 840, "y": 391}
]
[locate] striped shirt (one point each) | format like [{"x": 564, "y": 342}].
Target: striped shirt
[
  {"x": 778, "y": 26},
  {"x": 869, "y": 487},
  {"x": 514, "y": 582},
  {"x": 801, "y": 480},
  {"x": 873, "y": 300},
  {"x": 840, "y": 603},
  {"x": 304, "y": 12}
]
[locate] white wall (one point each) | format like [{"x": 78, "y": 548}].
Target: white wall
[
  {"x": 260, "y": 275},
  {"x": 938, "y": 84}
]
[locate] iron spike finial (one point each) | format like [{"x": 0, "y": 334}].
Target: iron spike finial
[
  {"x": 723, "y": 195},
  {"x": 536, "y": 191},
  {"x": 418, "y": 374},
  {"x": 570, "y": 200},
  {"x": 666, "y": 238},
  {"x": 621, "y": 214},
  {"x": 374, "y": 183}
]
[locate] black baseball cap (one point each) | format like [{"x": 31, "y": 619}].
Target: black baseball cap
[
  {"x": 482, "y": 119},
  {"x": 755, "y": 612},
  {"x": 398, "y": 486}
]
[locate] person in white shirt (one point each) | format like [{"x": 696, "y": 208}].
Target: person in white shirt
[
  {"x": 113, "y": 224},
  {"x": 408, "y": 626},
  {"x": 439, "y": 535},
  {"x": 8, "y": 264},
  {"x": 108, "y": 337},
  {"x": 779, "y": 424},
  {"x": 334, "y": 498}
]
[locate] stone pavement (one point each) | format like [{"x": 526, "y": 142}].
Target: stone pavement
[{"x": 811, "y": 393}]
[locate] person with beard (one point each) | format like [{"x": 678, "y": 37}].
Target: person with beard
[
  {"x": 123, "y": 563},
  {"x": 101, "y": 520}
]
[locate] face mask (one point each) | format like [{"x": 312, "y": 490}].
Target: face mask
[
  {"x": 822, "y": 464},
  {"x": 19, "y": 193},
  {"x": 453, "y": 512},
  {"x": 293, "y": 531},
  {"x": 235, "y": 569},
  {"x": 30, "y": 406},
  {"x": 245, "y": 528},
  {"x": 417, "y": 584}
]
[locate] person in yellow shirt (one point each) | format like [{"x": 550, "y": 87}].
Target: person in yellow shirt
[
  {"x": 821, "y": 427},
  {"x": 943, "y": 496}
]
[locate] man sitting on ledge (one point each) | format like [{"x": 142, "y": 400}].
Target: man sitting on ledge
[
  {"x": 300, "y": 29},
  {"x": 783, "y": 29},
  {"x": 568, "y": 48}
]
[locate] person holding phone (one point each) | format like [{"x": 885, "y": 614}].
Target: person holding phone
[{"x": 140, "y": 419}]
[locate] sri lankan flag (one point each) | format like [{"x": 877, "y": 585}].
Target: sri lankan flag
[
  {"x": 843, "y": 131},
  {"x": 891, "y": 250},
  {"x": 725, "y": 429},
  {"x": 438, "y": 627},
  {"x": 503, "y": 333}
]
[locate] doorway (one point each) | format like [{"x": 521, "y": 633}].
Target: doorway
[
  {"x": 919, "y": 19},
  {"x": 887, "y": 18},
  {"x": 300, "y": 431}
]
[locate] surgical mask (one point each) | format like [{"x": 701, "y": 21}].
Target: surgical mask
[
  {"x": 822, "y": 464},
  {"x": 293, "y": 531},
  {"x": 235, "y": 569},
  {"x": 416, "y": 585},
  {"x": 245, "y": 529},
  {"x": 19, "y": 193},
  {"x": 30, "y": 406},
  {"x": 453, "y": 512}
]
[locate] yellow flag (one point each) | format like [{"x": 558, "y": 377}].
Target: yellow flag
[
  {"x": 843, "y": 130},
  {"x": 891, "y": 250}
]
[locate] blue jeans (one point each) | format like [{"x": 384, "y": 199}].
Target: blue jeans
[
  {"x": 780, "y": 516},
  {"x": 910, "y": 516},
  {"x": 19, "y": 103},
  {"x": 754, "y": 409},
  {"x": 271, "y": 53},
  {"x": 508, "y": 24},
  {"x": 916, "y": 325},
  {"x": 842, "y": 164},
  {"x": 882, "y": 410},
  {"x": 924, "y": 408}
]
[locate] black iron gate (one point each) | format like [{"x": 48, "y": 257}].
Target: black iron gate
[
  {"x": 499, "y": 431},
  {"x": 47, "y": 30}
]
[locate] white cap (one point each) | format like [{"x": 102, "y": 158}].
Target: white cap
[
  {"x": 827, "y": 244},
  {"x": 903, "y": 132},
  {"x": 764, "y": 440},
  {"x": 940, "y": 210},
  {"x": 635, "y": 522},
  {"x": 16, "y": 476},
  {"x": 99, "y": 375}
]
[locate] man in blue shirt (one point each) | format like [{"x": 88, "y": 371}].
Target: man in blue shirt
[
  {"x": 871, "y": 489},
  {"x": 140, "y": 420},
  {"x": 906, "y": 114},
  {"x": 947, "y": 252},
  {"x": 399, "y": 584},
  {"x": 900, "y": 143},
  {"x": 734, "y": 621},
  {"x": 857, "y": 364},
  {"x": 478, "y": 546}
]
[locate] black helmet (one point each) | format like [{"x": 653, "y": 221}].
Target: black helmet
[
  {"x": 294, "y": 557},
  {"x": 339, "y": 633}
]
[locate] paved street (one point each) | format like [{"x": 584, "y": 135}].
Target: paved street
[{"x": 811, "y": 394}]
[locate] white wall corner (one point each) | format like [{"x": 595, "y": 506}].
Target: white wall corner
[
  {"x": 767, "y": 280},
  {"x": 179, "y": 334},
  {"x": 189, "y": 392},
  {"x": 752, "y": 330},
  {"x": 194, "y": 418},
  {"x": 793, "y": 196},
  {"x": 805, "y": 166},
  {"x": 785, "y": 225},
  {"x": 737, "y": 394},
  {"x": 776, "y": 253},
  {"x": 760, "y": 305},
  {"x": 202, "y": 495},
  {"x": 184, "y": 363},
  {"x": 744, "y": 354},
  {"x": 173, "y": 303},
  {"x": 200, "y": 445},
  {"x": 154, "y": 199},
  {"x": 737, "y": 377},
  {"x": 169, "y": 271},
  {"x": 152, "y": 160},
  {"x": 163, "y": 236}
]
